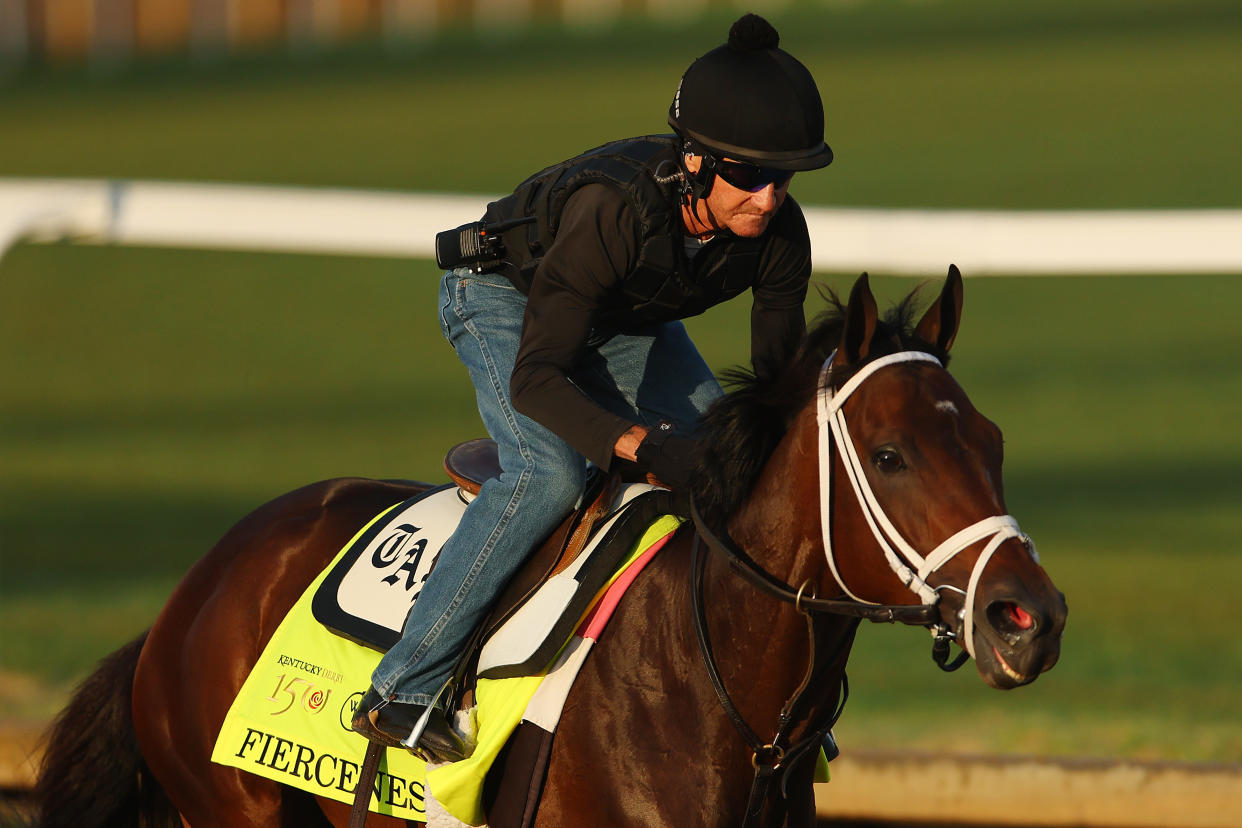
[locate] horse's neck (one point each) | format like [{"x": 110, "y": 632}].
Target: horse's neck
[
  {"x": 780, "y": 518},
  {"x": 763, "y": 647},
  {"x": 760, "y": 647},
  {"x": 768, "y": 639}
]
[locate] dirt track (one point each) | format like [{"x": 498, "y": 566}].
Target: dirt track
[
  {"x": 18, "y": 745},
  {"x": 1015, "y": 791}
]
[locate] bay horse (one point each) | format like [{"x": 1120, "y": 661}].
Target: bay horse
[{"x": 709, "y": 689}]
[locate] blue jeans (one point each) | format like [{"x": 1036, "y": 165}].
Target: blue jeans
[{"x": 646, "y": 378}]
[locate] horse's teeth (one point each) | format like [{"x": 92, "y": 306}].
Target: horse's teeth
[{"x": 1009, "y": 671}]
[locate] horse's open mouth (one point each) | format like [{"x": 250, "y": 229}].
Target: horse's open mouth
[{"x": 1009, "y": 671}]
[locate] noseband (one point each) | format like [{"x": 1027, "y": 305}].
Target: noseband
[{"x": 772, "y": 759}]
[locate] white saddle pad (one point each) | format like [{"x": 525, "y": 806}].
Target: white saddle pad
[{"x": 369, "y": 592}]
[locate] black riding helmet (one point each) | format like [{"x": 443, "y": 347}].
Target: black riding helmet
[{"x": 751, "y": 101}]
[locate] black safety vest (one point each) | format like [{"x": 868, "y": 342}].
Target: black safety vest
[{"x": 663, "y": 283}]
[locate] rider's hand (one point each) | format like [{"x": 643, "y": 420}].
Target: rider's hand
[{"x": 668, "y": 457}]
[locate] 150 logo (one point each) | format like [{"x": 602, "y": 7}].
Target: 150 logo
[{"x": 290, "y": 688}]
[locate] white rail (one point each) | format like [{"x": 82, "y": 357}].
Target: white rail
[{"x": 358, "y": 222}]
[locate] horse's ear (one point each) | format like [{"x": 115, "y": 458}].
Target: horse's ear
[
  {"x": 939, "y": 325},
  {"x": 860, "y": 316}
]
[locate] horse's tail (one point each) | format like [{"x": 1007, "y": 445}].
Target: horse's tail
[{"x": 93, "y": 773}]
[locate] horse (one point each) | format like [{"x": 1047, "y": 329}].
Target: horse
[{"x": 723, "y": 668}]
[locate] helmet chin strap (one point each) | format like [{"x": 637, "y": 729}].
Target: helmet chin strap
[
  {"x": 701, "y": 182},
  {"x": 703, "y": 224},
  {"x": 909, "y": 565}
]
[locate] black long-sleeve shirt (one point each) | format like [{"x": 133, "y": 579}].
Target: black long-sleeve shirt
[{"x": 575, "y": 297}]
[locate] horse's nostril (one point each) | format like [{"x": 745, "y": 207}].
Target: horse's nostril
[
  {"x": 1021, "y": 617},
  {"x": 1011, "y": 620}
]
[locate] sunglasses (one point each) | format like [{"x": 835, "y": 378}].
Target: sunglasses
[{"x": 750, "y": 177}]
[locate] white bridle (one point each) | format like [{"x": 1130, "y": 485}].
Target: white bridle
[{"x": 912, "y": 568}]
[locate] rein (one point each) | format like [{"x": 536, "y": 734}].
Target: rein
[
  {"x": 773, "y": 759},
  {"x": 919, "y": 615}
]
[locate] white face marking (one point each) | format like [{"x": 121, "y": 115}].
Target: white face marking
[{"x": 946, "y": 405}]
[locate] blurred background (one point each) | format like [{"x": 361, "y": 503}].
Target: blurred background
[{"x": 150, "y": 397}]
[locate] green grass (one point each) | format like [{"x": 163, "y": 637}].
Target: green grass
[
  {"x": 149, "y": 398},
  {"x": 954, "y": 103}
]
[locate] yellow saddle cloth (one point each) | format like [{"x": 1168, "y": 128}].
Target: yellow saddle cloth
[{"x": 291, "y": 719}]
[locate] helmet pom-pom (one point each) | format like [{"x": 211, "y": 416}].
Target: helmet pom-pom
[{"x": 752, "y": 33}]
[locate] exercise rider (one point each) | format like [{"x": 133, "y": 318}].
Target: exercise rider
[{"x": 567, "y": 319}]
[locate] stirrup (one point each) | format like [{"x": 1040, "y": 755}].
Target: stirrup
[{"x": 412, "y": 742}]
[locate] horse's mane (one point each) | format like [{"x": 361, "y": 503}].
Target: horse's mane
[{"x": 741, "y": 430}]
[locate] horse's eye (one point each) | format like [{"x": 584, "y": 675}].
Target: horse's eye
[{"x": 888, "y": 461}]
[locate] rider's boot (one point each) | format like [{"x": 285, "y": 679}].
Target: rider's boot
[{"x": 396, "y": 724}]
